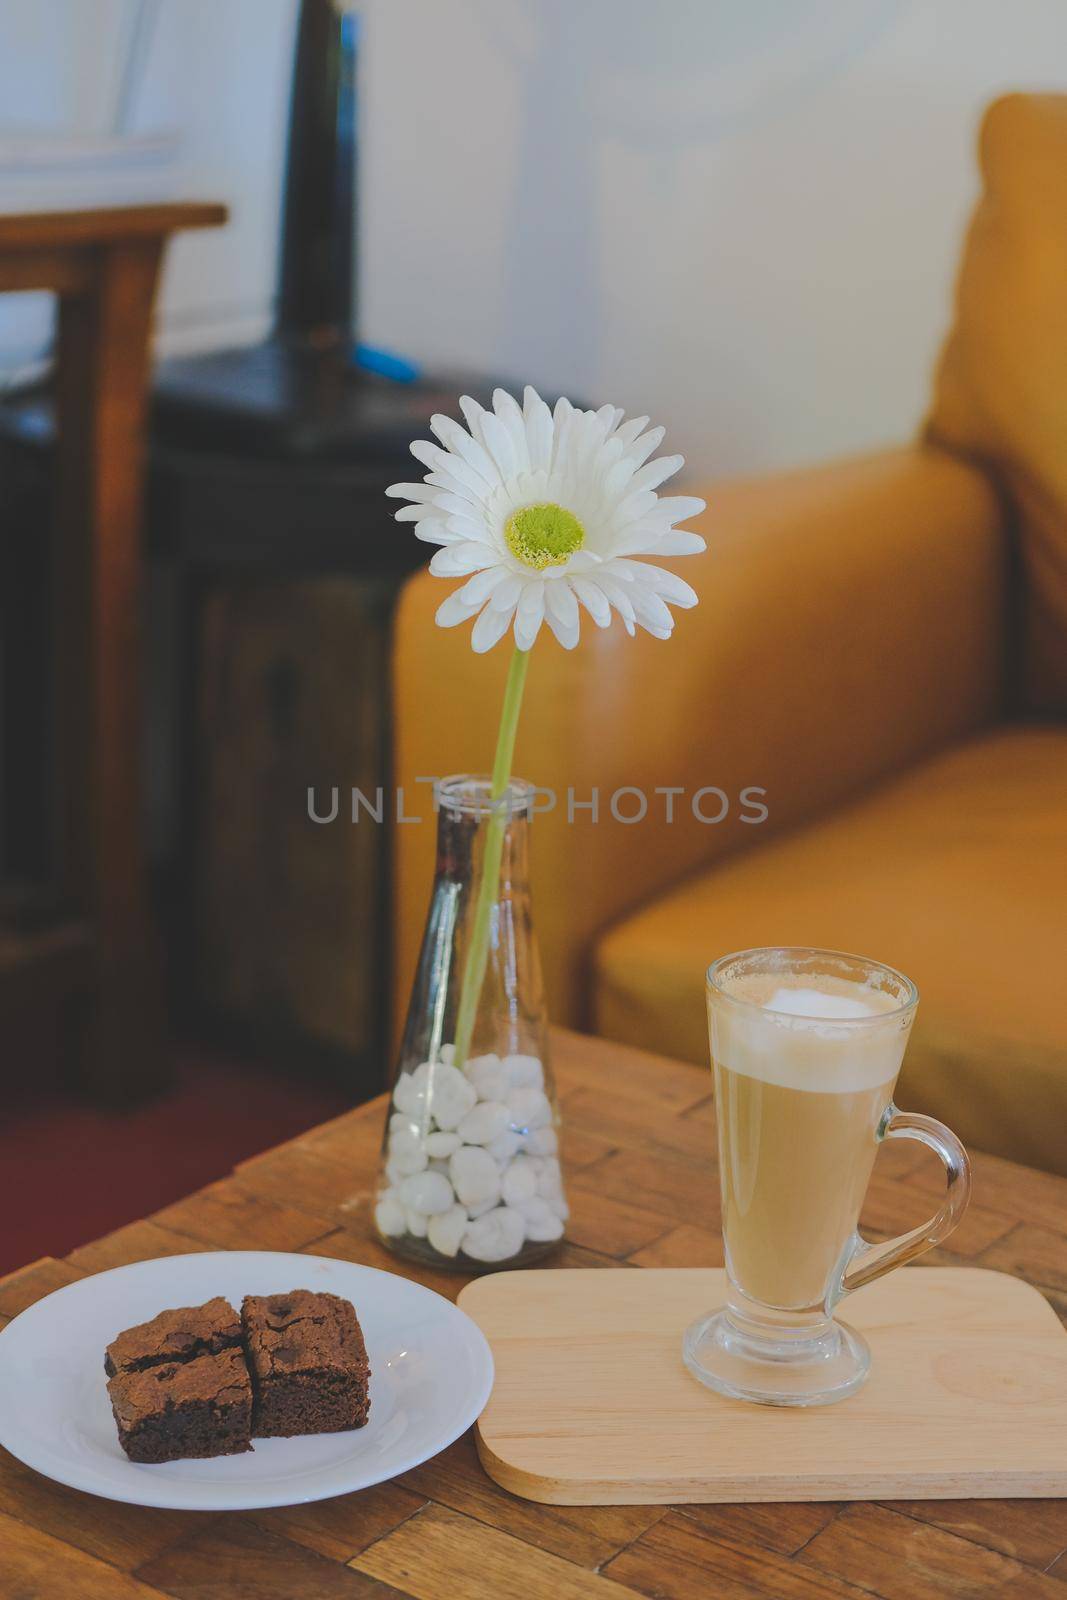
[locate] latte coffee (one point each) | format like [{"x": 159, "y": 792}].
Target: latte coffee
[
  {"x": 800, "y": 1093},
  {"x": 806, "y": 1046}
]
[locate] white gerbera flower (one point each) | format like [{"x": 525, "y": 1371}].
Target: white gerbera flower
[{"x": 547, "y": 510}]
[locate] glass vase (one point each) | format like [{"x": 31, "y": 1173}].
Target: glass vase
[{"x": 470, "y": 1172}]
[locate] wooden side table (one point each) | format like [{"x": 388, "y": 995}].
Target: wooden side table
[{"x": 84, "y": 940}]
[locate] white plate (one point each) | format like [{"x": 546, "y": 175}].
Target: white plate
[{"x": 431, "y": 1373}]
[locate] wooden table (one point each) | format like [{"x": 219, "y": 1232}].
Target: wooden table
[{"x": 638, "y": 1142}]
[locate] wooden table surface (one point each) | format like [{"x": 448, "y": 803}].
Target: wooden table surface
[{"x": 638, "y": 1150}]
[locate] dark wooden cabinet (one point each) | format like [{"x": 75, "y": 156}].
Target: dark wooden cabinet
[
  {"x": 270, "y": 562},
  {"x": 76, "y": 935}
]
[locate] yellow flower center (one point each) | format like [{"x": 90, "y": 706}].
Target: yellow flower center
[{"x": 543, "y": 535}]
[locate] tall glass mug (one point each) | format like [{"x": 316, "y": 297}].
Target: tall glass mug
[{"x": 806, "y": 1046}]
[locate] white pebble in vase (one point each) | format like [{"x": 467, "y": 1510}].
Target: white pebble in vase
[
  {"x": 389, "y": 1214},
  {"x": 489, "y": 1077},
  {"x": 428, "y": 1193},
  {"x": 407, "y": 1153},
  {"x": 416, "y": 1222},
  {"x": 451, "y": 1096},
  {"x": 488, "y": 1119},
  {"x": 549, "y": 1176},
  {"x": 524, "y": 1072},
  {"x": 439, "y": 1146},
  {"x": 530, "y": 1109},
  {"x": 445, "y": 1231},
  {"x": 475, "y": 1175},
  {"x": 542, "y": 1142},
  {"x": 550, "y": 1187},
  {"x": 519, "y": 1181},
  {"x": 542, "y": 1223},
  {"x": 504, "y": 1146},
  {"x": 496, "y": 1236},
  {"x": 410, "y": 1093}
]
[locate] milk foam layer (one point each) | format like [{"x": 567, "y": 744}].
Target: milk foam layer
[
  {"x": 800, "y": 1036},
  {"x": 814, "y": 1003}
]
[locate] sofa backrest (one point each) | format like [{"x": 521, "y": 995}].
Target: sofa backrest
[{"x": 1001, "y": 388}]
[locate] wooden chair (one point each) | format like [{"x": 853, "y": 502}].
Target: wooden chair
[{"x": 80, "y": 947}]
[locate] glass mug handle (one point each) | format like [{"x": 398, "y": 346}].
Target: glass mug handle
[{"x": 870, "y": 1261}]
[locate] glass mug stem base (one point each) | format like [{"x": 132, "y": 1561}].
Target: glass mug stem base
[{"x": 813, "y": 1363}]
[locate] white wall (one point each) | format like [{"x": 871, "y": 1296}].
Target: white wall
[{"x": 740, "y": 215}]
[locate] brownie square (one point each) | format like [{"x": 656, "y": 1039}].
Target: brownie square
[
  {"x": 199, "y": 1408},
  {"x": 308, "y": 1363},
  {"x": 179, "y": 1335}
]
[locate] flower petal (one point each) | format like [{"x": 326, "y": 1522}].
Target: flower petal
[
  {"x": 499, "y": 443},
  {"x": 454, "y": 560},
  {"x": 650, "y": 610},
  {"x": 508, "y": 411},
  {"x": 438, "y": 460},
  {"x": 616, "y": 593},
  {"x": 657, "y": 472},
  {"x": 452, "y": 485},
  {"x": 659, "y": 581},
  {"x": 489, "y": 629},
  {"x": 411, "y": 491},
  {"x": 533, "y": 593},
  {"x": 562, "y": 411},
  {"x": 459, "y": 443},
  {"x": 680, "y": 507},
  {"x": 457, "y": 505},
  {"x": 593, "y": 599},
  {"x": 468, "y": 528},
  {"x": 618, "y": 479},
  {"x": 636, "y": 505},
  {"x": 561, "y": 612},
  {"x": 506, "y": 596},
  {"x": 472, "y": 415},
  {"x": 605, "y": 421},
  {"x": 477, "y": 590},
  {"x": 629, "y": 431},
  {"x": 538, "y": 420},
  {"x": 431, "y": 455},
  {"x": 643, "y": 447},
  {"x": 529, "y": 615},
  {"x": 454, "y": 610},
  {"x": 582, "y": 561},
  {"x": 678, "y": 542},
  {"x": 641, "y": 538},
  {"x": 433, "y": 530}
]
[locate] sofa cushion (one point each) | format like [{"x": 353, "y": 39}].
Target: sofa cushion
[
  {"x": 1001, "y": 393},
  {"x": 955, "y": 873}
]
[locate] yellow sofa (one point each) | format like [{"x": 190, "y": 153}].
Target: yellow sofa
[{"x": 881, "y": 646}]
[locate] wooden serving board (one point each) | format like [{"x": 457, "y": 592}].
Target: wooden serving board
[{"x": 592, "y": 1405}]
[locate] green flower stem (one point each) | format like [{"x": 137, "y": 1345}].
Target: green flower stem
[{"x": 488, "y": 884}]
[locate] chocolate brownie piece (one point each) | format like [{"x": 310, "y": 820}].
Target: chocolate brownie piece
[
  {"x": 308, "y": 1364},
  {"x": 201, "y": 1407},
  {"x": 179, "y": 1335}
]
